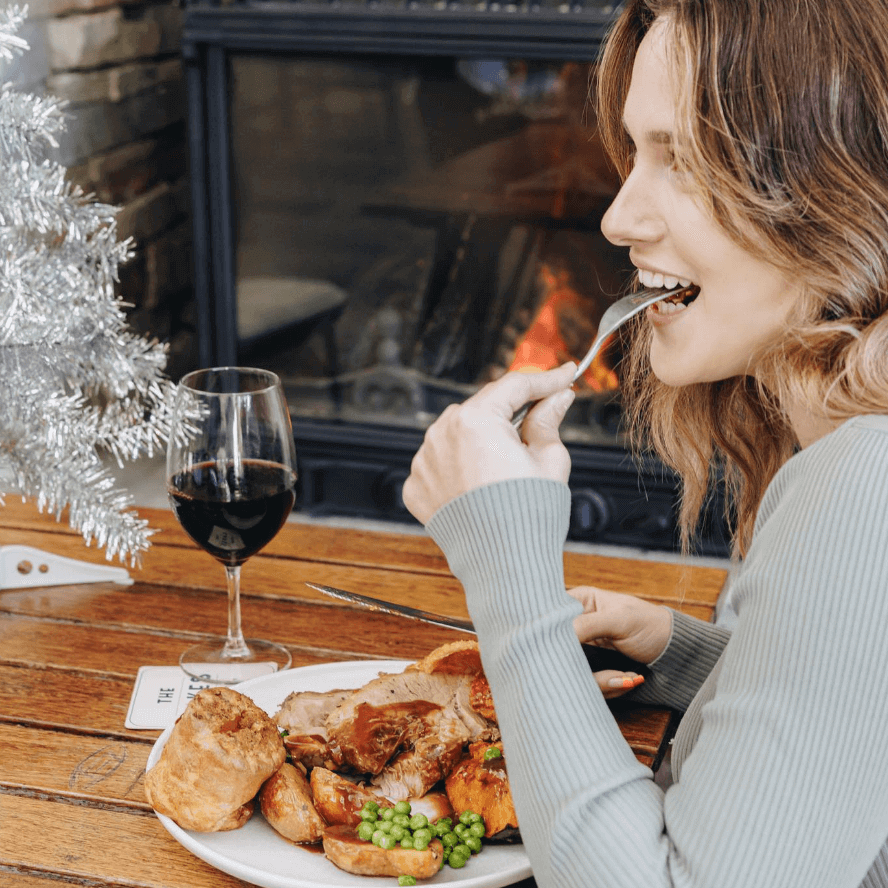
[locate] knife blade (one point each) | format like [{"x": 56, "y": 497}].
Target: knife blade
[
  {"x": 598, "y": 658},
  {"x": 401, "y": 610}
]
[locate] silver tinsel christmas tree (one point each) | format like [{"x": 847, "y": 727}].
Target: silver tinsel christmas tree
[{"x": 75, "y": 383}]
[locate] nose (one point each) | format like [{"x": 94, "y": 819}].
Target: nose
[{"x": 633, "y": 217}]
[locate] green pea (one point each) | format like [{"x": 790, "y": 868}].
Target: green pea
[
  {"x": 457, "y": 861},
  {"x": 387, "y": 842},
  {"x": 387, "y": 813},
  {"x": 423, "y": 833},
  {"x": 407, "y": 841},
  {"x": 401, "y": 820},
  {"x": 462, "y": 829},
  {"x": 377, "y": 836},
  {"x": 418, "y": 821},
  {"x": 398, "y": 832},
  {"x": 448, "y": 840},
  {"x": 403, "y": 808},
  {"x": 474, "y": 844},
  {"x": 385, "y": 825},
  {"x": 420, "y": 843},
  {"x": 478, "y": 829},
  {"x": 366, "y": 830},
  {"x": 462, "y": 848},
  {"x": 370, "y": 805},
  {"x": 368, "y": 816},
  {"x": 466, "y": 817},
  {"x": 406, "y": 880},
  {"x": 492, "y": 752}
]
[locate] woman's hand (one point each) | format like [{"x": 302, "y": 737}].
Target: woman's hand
[
  {"x": 635, "y": 627},
  {"x": 474, "y": 443}
]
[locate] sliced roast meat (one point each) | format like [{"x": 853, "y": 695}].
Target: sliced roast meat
[
  {"x": 372, "y": 724},
  {"x": 306, "y": 711},
  {"x": 303, "y": 715},
  {"x": 429, "y": 760}
]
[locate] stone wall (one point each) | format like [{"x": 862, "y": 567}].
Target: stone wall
[{"x": 117, "y": 64}]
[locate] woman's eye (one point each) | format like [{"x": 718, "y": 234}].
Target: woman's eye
[{"x": 676, "y": 165}]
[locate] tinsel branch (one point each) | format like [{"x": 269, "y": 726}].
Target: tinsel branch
[{"x": 77, "y": 384}]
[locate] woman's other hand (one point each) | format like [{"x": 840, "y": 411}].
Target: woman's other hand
[
  {"x": 474, "y": 443},
  {"x": 630, "y": 625}
]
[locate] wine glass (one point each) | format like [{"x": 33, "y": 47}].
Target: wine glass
[{"x": 231, "y": 476}]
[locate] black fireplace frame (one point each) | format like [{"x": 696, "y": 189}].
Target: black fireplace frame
[{"x": 358, "y": 469}]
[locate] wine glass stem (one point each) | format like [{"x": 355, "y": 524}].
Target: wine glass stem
[{"x": 235, "y": 646}]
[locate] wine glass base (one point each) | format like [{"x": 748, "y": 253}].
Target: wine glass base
[{"x": 210, "y": 662}]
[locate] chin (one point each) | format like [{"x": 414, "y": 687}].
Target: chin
[{"x": 672, "y": 373}]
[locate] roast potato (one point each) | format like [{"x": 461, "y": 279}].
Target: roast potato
[
  {"x": 352, "y": 854},
  {"x": 286, "y": 803}
]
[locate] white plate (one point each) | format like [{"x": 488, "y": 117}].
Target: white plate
[{"x": 257, "y": 854}]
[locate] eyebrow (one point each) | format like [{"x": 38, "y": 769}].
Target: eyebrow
[
  {"x": 653, "y": 137},
  {"x": 659, "y": 137}
]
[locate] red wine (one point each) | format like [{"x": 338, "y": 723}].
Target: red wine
[{"x": 233, "y": 515}]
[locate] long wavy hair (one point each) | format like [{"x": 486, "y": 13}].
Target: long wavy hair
[{"x": 782, "y": 126}]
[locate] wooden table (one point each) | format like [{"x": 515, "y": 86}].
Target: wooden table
[{"x": 72, "y": 804}]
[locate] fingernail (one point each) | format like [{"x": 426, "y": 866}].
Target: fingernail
[{"x": 625, "y": 681}]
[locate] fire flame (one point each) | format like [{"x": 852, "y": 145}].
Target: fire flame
[{"x": 542, "y": 346}]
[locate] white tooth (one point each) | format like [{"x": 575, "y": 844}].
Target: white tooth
[
  {"x": 644, "y": 277},
  {"x": 684, "y": 282},
  {"x": 670, "y": 307},
  {"x": 657, "y": 280},
  {"x": 670, "y": 282}
]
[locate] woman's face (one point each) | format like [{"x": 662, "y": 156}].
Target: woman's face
[{"x": 743, "y": 300}]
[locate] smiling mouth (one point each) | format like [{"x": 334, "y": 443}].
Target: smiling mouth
[{"x": 677, "y": 300}]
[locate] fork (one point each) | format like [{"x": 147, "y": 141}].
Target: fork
[{"x": 615, "y": 316}]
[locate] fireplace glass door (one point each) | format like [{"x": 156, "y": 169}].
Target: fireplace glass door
[{"x": 409, "y": 228}]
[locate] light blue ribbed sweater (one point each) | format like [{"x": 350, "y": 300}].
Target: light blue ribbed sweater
[{"x": 779, "y": 762}]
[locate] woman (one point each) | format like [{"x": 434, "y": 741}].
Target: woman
[{"x": 753, "y": 140}]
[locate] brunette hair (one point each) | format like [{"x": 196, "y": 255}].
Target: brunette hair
[{"x": 783, "y": 128}]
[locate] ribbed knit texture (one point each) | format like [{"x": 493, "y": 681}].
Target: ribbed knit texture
[{"x": 781, "y": 777}]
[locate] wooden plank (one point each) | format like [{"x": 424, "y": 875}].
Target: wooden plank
[
  {"x": 266, "y": 577},
  {"x": 95, "y": 769},
  {"x": 105, "y": 652},
  {"x": 66, "y": 701},
  {"x": 680, "y": 585},
  {"x": 321, "y": 554},
  {"x": 79, "y": 633},
  {"x": 78, "y": 842},
  {"x": 10, "y": 879}
]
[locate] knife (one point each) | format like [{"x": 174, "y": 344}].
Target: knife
[
  {"x": 599, "y": 658},
  {"x": 400, "y": 610}
]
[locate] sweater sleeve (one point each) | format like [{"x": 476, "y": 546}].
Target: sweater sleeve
[
  {"x": 786, "y": 783},
  {"x": 678, "y": 673}
]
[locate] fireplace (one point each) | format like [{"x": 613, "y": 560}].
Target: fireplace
[{"x": 394, "y": 204}]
